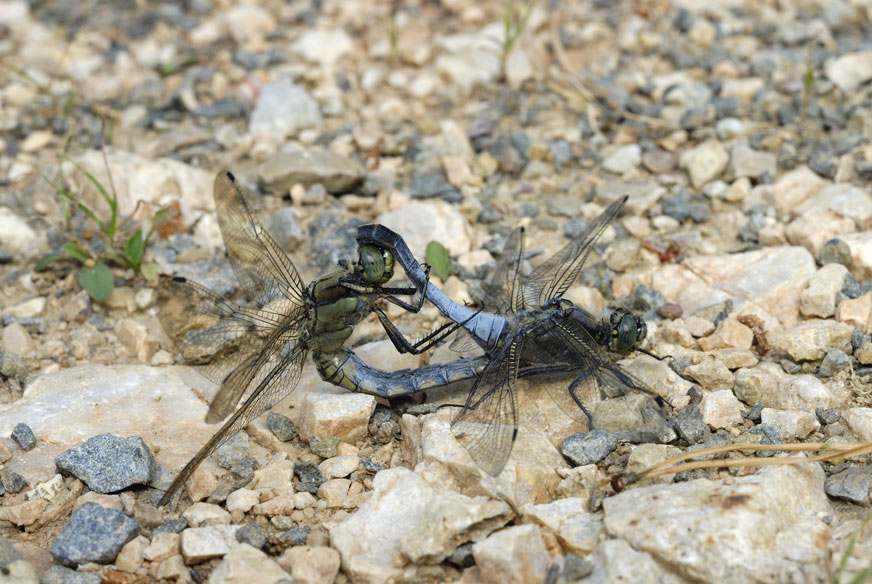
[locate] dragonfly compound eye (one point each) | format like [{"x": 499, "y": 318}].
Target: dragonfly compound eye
[
  {"x": 627, "y": 331},
  {"x": 373, "y": 264}
]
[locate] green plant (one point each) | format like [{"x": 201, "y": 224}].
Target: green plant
[
  {"x": 849, "y": 549},
  {"x": 121, "y": 246},
  {"x": 512, "y": 29},
  {"x": 437, "y": 257}
]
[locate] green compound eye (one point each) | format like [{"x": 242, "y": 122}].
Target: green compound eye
[
  {"x": 376, "y": 264},
  {"x": 627, "y": 331}
]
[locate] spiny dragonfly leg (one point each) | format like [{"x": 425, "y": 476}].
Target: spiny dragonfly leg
[
  {"x": 575, "y": 385},
  {"x": 400, "y": 342}
]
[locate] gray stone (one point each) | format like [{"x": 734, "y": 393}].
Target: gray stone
[
  {"x": 107, "y": 463},
  {"x": 325, "y": 448},
  {"x": 588, "y": 448},
  {"x": 93, "y": 534},
  {"x": 335, "y": 172},
  {"x": 462, "y": 556},
  {"x": 295, "y": 535},
  {"x": 624, "y": 159},
  {"x": 170, "y": 526},
  {"x": 234, "y": 450},
  {"x": 12, "y": 481},
  {"x": 244, "y": 468},
  {"x": 433, "y": 184},
  {"x": 23, "y": 435},
  {"x": 828, "y": 415},
  {"x": 834, "y": 251},
  {"x": 62, "y": 575},
  {"x": 283, "y": 109},
  {"x": 282, "y": 426},
  {"x": 285, "y": 228},
  {"x": 12, "y": 366},
  {"x": 690, "y": 425},
  {"x": 851, "y": 484},
  {"x": 251, "y": 534},
  {"x": 309, "y": 475},
  {"x": 835, "y": 360}
]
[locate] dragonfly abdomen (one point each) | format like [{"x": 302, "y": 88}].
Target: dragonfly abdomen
[{"x": 347, "y": 370}]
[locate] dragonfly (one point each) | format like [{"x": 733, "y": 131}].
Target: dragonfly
[
  {"x": 528, "y": 328},
  {"x": 256, "y": 351}
]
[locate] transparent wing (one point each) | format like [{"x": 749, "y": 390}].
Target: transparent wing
[
  {"x": 264, "y": 271},
  {"x": 487, "y": 424},
  {"x": 212, "y": 333},
  {"x": 277, "y": 380},
  {"x": 589, "y": 355},
  {"x": 554, "y": 276},
  {"x": 503, "y": 286}
]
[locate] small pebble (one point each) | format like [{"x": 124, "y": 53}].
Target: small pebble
[
  {"x": 12, "y": 481},
  {"x": 588, "y": 448},
  {"x": 251, "y": 534},
  {"x": 23, "y": 435},
  {"x": 93, "y": 534},
  {"x": 282, "y": 426},
  {"x": 295, "y": 536}
]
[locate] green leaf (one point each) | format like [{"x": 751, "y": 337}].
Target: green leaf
[
  {"x": 160, "y": 218},
  {"x": 809, "y": 77},
  {"x": 168, "y": 68},
  {"x": 46, "y": 260},
  {"x": 134, "y": 248},
  {"x": 148, "y": 271},
  {"x": 97, "y": 281},
  {"x": 111, "y": 201},
  {"x": 437, "y": 257},
  {"x": 77, "y": 252}
]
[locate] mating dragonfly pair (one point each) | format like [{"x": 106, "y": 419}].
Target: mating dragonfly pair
[{"x": 256, "y": 352}]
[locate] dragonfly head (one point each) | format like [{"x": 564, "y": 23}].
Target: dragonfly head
[
  {"x": 375, "y": 264},
  {"x": 627, "y": 330}
]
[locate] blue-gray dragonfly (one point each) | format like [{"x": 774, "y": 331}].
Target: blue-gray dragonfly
[{"x": 528, "y": 328}]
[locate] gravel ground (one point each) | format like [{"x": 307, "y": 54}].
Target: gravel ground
[{"x": 741, "y": 133}]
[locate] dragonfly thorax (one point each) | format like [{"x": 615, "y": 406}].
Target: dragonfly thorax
[{"x": 627, "y": 330}]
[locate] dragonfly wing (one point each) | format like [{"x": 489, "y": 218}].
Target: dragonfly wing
[
  {"x": 264, "y": 271},
  {"x": 279, "y": 380},
  {"x": 593, "y": 357},
  {"x": 556, "y": 274},
  {"x": 503, "y": 286},
  {"x": 487, "y": 424}
]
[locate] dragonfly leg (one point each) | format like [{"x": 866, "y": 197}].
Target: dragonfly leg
[
  {"x": 400, "y": 342},
  {"x": 422, "y": 294},
  {"x": 575, "y": 385}
]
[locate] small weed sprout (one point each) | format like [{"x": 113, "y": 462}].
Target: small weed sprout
[{"x": 122, "y": 247}]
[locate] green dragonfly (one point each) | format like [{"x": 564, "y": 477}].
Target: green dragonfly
[{"x": 256, "y": 352}]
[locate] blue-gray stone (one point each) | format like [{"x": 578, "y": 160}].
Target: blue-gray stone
[
  {"x": 690, "y": 425},
  {"x": 170, "y": 526},
  {"x": 834, "y": 361},
  {"x": 588, "y": 448},
  {"x": 851, "y": 484},
  {"x": 60, "y": 575},
  {"x": 282, "y": 426},
  {"x": 234, "y": 450},
  {"x": 462, "y": 556},
  {"x": 295, "y": 536},
  {"x": 23, "y": 435},
  {"x": 251, "y": 534},
  {"x": 108, "y": 463},
  {"x": 93, "y": 534},
  {"x": 12, "y": 481},
  {"x": 834, "y": 251},
  {"x": 828, "y": 415}
]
